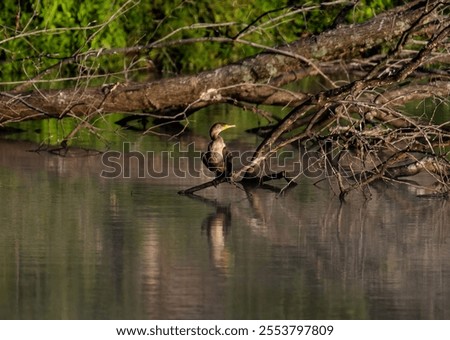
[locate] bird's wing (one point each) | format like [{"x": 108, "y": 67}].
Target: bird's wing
[
  {"x": 228, "y": 160},
  {"x": 212, "y": 160},
  {"x": 205, "y": 158}
]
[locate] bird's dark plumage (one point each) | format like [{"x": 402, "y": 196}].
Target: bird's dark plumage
[{"x": 218, "y": 158}]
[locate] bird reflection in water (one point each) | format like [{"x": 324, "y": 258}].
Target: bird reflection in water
[{"x": 217, "y": 226}]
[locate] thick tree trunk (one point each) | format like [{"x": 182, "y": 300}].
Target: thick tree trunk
[{"x": 256, "y": 79}]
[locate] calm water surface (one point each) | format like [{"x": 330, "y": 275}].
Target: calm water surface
[{"x": 75, "y": 245}]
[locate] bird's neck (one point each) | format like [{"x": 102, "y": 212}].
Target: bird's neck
[
  {"x": 216, "y": 145},
  {"x": 216, "y": 137}
]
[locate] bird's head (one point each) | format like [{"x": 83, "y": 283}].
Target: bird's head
[{"x": 218, "y": 128}]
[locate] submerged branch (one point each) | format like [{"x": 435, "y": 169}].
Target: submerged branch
[
  {"x": 215, "y": 182},
  {"x": 244, "y": 182}
]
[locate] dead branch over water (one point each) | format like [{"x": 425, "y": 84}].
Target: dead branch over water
[
  {"x": 347, "y": 122},
  {"x": 357, "y": 127}
]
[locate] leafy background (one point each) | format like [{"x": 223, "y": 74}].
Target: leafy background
[{"x": 42, "y": 37}]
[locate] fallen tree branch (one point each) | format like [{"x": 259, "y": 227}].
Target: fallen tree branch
[
  {"x": 245, "y": 182},
  {"x": 170, "y": 96},
  {"x": 215, "y": 182},
  {"x": 324, "y": 108}
]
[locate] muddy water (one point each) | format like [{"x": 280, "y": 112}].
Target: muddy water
[{"x": 75, "y": 245}]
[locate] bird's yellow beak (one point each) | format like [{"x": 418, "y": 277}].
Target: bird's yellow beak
[{"x": 227, "y": 126}]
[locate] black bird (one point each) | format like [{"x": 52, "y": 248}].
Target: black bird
[{"x": 218, "y": 158}]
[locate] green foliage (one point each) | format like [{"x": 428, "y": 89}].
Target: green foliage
[
  {"x": 40, "y": 35},
  {"x": 369, "y": 8}
]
